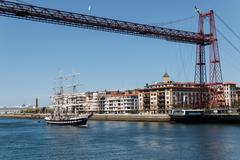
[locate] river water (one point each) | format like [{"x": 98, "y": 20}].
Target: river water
[{"x": 25, "y": 139}]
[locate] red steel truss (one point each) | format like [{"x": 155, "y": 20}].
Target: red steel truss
[
  {"x": 34, "y": 13},
  {"x": 215, "y": 72},
  {"x": 46, "y": 15}
]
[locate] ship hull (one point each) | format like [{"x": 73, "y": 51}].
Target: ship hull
[
  {"x": 203, "y": 116},
  {"x": 77, "y": 122},
  {"x": 186, "y": 119},
  {"x": 231, "y": 119}
]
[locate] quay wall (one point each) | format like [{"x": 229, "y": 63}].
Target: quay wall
[
  {"x": 103, "y": 117},
  {"x": 28, "y": 116},
  {"x": 131, "y": 117}
]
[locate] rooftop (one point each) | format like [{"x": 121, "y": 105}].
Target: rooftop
[{"x": 166, "y": 74}]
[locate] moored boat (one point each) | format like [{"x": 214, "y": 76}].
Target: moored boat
[
  {"x": 187, "y": 115},
  {"x": 205, "y": 116}
]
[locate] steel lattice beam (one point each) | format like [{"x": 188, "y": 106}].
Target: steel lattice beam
[{"x": 34, "y": 13}]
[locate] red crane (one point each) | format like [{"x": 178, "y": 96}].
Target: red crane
[{"x": 201, "y": 39}]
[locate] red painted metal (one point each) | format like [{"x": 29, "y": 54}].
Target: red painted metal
[
  {"x": 34, "y": 13},
  {"x": 215, "y": 73},
  {"x": 200, "y": 68}
]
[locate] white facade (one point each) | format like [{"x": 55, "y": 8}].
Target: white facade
[
  {"x": 99, "y": 102},
  {"x": 121, "y": 104},
  {"x": 130, "y": 103},
  {"x": 10, "y": 110},
  {"x": 95, "y": 101},
  {"x": 230, "y": 93},
  {"x": 70, "y": 101}
]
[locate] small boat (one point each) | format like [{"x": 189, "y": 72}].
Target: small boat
[{"x": 187, "y": 115}]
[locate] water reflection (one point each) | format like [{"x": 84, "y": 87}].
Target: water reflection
[
  {"x": 211, "y": 142},
  {"x": 118, "y": 140}
]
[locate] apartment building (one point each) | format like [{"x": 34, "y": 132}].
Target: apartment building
[
  {"x": 238, "y": 96},
  {"x": 99, "y": 102},
  {"x": 70, "y": 101},
  {"x": 157, "y": 98},
  {"x": 95, "y": 102},
  {"x": 162, "y": 97},
  {"x": 121, "y": 102},
  {"x": 230, "y": 94}
]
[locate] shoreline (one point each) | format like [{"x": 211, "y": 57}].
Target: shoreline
[
  {"x": 23, "y": 116},
  {"x": 131, "y": 117},
  {"x": 102, "y": 117}
]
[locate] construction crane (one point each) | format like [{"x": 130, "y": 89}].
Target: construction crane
[{"x": 201, "y": 39}]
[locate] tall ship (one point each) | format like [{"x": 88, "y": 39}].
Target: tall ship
[
  {"x": 60, "y": 118},
  {"x": 65, "y": 112}
]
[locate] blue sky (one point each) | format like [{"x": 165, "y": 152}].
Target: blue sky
[{"x": 33, "y": 53}]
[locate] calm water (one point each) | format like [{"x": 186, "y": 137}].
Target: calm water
[{"x": 29, "y": 139}]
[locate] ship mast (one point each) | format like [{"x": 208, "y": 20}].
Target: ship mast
[{"x": 73, "y": 89}]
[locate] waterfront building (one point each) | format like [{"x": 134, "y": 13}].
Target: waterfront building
[
  {"x": 76, "y": 100},
  {"x": 230, "y": 93},
  {"x": 121, "y": 102},
  {"x": 99, "y": 102},
  {"x": 162, "y": 97},
  {"x": 130, "y": 102},
  {"x": 112, "y": 102},
  {"x": 238, "y": 96},
  {"x": 70, "y": 101},
  {"x": 95, "y": 102},
  {"x": 10, "y": 110}
]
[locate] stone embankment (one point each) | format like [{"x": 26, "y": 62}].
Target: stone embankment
[
  {"x": 103, "y": 117},
  {"x": 28, "y": 116},
  {"x": 131, "y": 117}
]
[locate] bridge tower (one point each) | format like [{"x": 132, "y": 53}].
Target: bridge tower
[{"x": 215, "y": 84}]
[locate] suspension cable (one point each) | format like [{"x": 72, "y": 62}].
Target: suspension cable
[
  {"x": 173, "y": 21},
  {"x": 226, "y": 39},
  {"x": 233, "y": 46},
  {"x": 233, "y": 32}
]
